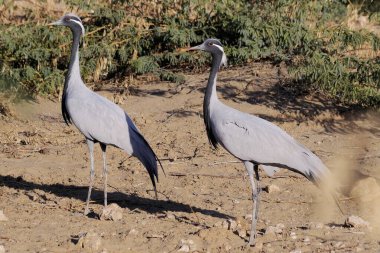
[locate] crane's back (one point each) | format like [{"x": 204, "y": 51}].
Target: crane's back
[{"x": 251, "y": 138}]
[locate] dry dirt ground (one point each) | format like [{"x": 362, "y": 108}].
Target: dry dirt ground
[{"x": 205, "y": 195}]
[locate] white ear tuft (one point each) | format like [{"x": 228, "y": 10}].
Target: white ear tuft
[
  {"x": 224, "y": 60},
  {"x": 80, "y": 24}
]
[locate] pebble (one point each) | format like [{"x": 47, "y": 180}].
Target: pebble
[
  {"x": 170, "y": 216},
  {"x": 227, "y": 224},
  {"x": 248, "y": 217},
  {"x": 356, "y": 222},
  {"x": 272, "y": 188},
  {"x": 273, "y": 230},
  {"x": 186, "y": 245},
  {"x": 259, "y": 246},
  {"x": 306, "y": 239},
  {"x": 227, "y": 247},
  {"x": 293, "y": 235},
  {"x": 2, "y": 249},
  {"x": 338, "y": 245},
  {"x": 184, "y": 248},
  {"x": 280, "y": 225},
  {"x": 133, "y": 232},
  {"x": 359, "y": 249},
  {"x": 317, "y": 225},
  {"x": 90, "y": 241},
  {"x": 112, "y": 212},
  {"x": 232, "y": 225},
  {"x": 218, "y": 224},
  {"x": 242, "y": 232},
  {"x": 2, "y": 216},
  {"x": 296, "y": 251}
]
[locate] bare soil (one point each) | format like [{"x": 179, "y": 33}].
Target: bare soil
[{"x": 44, "y": 174}]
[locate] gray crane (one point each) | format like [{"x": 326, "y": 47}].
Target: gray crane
[
  {"x": 251, "y": 139},
  {"x": 98, "y": 119}
]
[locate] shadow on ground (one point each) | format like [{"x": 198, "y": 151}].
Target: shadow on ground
[{"x": 131, "y": 201}]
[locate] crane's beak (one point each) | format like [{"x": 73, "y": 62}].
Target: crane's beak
[
  {"x": 199, "y": 47},
  {"x": 59, "y": 22}
]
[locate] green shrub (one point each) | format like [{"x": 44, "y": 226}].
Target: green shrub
[{"x": 139, "y": 37}]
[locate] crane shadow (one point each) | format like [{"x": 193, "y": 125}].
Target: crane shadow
[{"x": 131, "y": 201}]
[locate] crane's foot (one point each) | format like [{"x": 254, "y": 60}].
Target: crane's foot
[
  {"x": 251, "y": 241},
  {"x": 86, "y": 211}
]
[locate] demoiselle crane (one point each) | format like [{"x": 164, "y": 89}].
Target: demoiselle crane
[
  {"x": 251, "y": 139},
  {"x": 97, "y": 118}
]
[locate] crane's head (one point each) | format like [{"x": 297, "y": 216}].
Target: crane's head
[
  {"x": 72, "y": 21},
  {"x": 214, "y": 47}
]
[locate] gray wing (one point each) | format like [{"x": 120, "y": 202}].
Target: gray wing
[
  {"x": 251, "y": 138},
  {"x": 101, "y": 120}
]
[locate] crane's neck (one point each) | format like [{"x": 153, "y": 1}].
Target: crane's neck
[
  {"x": 211, "y": 98},
  {"x": 73, "y": 77},
  {"x": 210, "y": 95}
]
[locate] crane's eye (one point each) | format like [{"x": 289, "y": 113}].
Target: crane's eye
[{"x": 210, "y": 43}]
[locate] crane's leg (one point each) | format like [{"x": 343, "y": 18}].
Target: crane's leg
[
  {"x": 105, "y": 171},
  {"x": 253, "y": 169},
  {"x": 90, "y": 145}
]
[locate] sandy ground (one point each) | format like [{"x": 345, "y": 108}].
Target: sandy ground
[{"x": 205, "y": 195}]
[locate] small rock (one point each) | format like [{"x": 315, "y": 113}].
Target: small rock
[
  {"x": 90, "y": 241},
  {"x": 296, "y": 251},
  {"x": 306, "y": 239},
  {"x": 272, "y": 188},
  {"x": 248, "y": 217},
  {"x": 133, "y": 232},
  {"x": 228, "y": 224},
  {"x": 112, "y": 212},
  {"x": 184, "y": 248},
  {"x": 259, "y": 246},
  {"x": 280, "y": 225},
  {"x": 358, "y": 249},
  {"x": 170, "y": 216},
  {"x": 242, "y": 232},
  {"x": 32, "y": 195},
  {"x": 273, "y": 230},
  {"x": 356, "y": 222},
  {"x": 172, "y": 155},
  {"x": 225, "y": 224},
  {"x": 338, "y": 245},
  {"x": 227, "y": 247},
  {"x": 203, "y": 234},
  {"x": 293, "y": 235},
  {"x": 218, "y": 224},
  {"x": 2, "y": 216},
  {"x": 186, "y": 245},
  {"x": 317, "y": 225},
  {"x": 232, "y": 225},
  {"x": 2, "y": 249}
]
